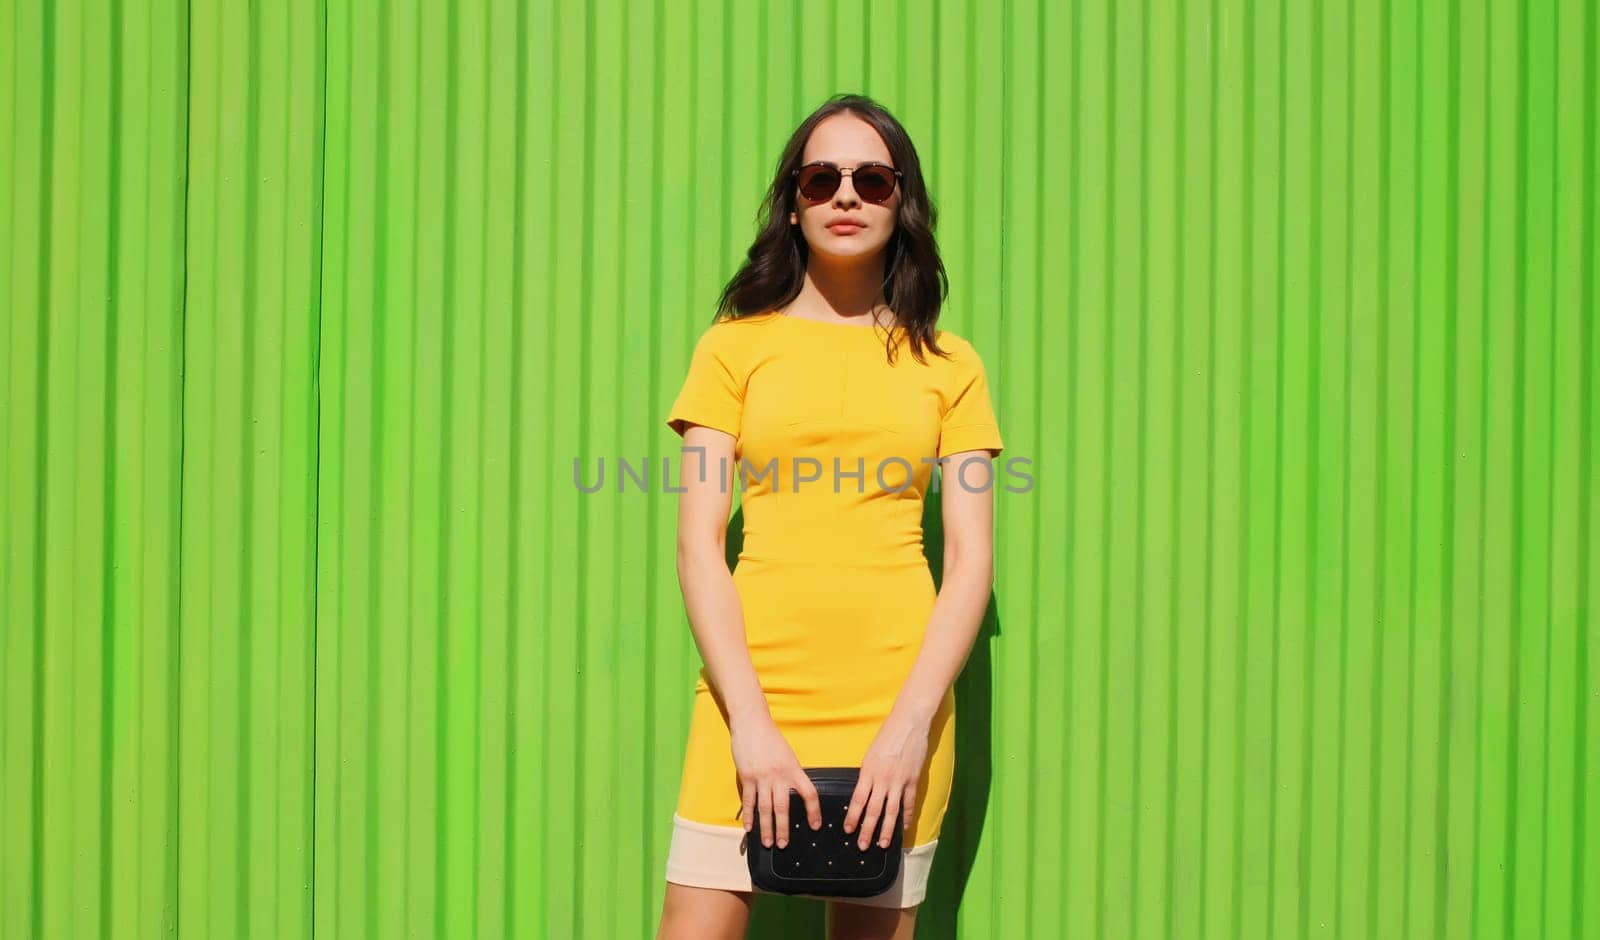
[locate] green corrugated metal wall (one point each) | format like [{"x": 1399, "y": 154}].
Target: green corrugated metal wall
[{"x": 309, "y": 308}]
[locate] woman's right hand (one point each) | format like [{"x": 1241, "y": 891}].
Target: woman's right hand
[{"x": 767, "y": 770}]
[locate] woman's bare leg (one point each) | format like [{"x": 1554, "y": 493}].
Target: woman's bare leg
[
  {"x": 716, "y": 914},
  {"x": 860, "y": 922}
]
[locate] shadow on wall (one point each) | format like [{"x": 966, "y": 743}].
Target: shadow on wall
[{"x": 803, "y": 918}]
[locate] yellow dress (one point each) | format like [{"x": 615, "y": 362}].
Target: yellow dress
[{"x": 835, "y": 448}]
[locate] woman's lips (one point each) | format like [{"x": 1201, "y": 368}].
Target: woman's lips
[{"x": 844, "y": 228}]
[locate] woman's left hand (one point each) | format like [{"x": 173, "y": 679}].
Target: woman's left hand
[{"x": 887, "y": 786}]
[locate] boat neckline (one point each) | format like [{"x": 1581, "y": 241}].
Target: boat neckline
[{"x": 869, "y": 328}]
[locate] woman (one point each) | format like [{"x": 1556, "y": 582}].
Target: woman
[{"x": 824, "y": 383}]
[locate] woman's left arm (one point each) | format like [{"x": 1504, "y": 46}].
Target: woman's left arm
[{"x": 892, "y": 767}]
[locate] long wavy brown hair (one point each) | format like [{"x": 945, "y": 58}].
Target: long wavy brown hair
[{"x": 915, "y": 284}]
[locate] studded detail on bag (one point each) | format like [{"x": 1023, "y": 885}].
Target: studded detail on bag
[{"x": 826, "y": 861}]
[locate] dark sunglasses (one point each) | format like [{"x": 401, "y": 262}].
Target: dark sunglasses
[{"x": 873, "y": 181}]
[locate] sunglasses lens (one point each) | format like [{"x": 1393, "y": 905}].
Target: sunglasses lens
[
  {"x": 818, "y": 182},
  {"x": 873, "y": 183}
]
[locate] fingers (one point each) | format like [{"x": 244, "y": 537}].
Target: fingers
[
  {"x": 874, "y": 803},
  {"x": 780, "y": 811},
  {"x": 764, "y": 797},
  {"x": 781, "y": 805},
  {"x": 858, "y": 802},
  {"x": 808, "y": 792},
  {"x": 875, "y": 807},
  {"x": 891, "y": 811},
  {"x": 869, "y": 822}
]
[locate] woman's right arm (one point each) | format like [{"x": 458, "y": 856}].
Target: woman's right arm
[
  {"x": 709, "y": 594},
  {"x": 766, "y": 763}
]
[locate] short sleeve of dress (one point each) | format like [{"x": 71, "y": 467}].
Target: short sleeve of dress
[
  {"x": 713, "y": 391},
  {"x": 969, "y": 422}
]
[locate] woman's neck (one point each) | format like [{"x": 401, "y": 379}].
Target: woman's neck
[{"x": 842, "y": 290}]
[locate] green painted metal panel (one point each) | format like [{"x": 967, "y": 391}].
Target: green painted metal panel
[{"x": 309, "y": 309}]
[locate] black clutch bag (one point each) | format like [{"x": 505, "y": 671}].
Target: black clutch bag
[{"x": 827, "y": 861}]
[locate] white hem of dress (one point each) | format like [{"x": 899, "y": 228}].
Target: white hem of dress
[{"x": 707, "y": 856}]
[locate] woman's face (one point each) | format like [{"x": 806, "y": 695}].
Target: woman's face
[{"x": 846, "y": 141}]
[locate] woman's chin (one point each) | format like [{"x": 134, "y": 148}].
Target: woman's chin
[{"x": 846, "y": 249}]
